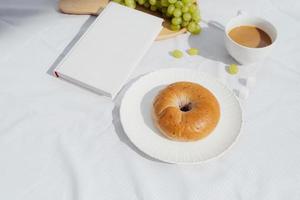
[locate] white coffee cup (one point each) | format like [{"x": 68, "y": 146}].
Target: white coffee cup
[{"x": 248, "y": 55}]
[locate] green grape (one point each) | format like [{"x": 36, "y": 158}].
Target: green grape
[
  {"x": 196, "y": 21},
  {"x": 153, "y": 8},
  {"x": 132, "y": 6},
  {"x": 168, "y": 15},
  {"x": 164, "y": 3},
  {"x": 118, "y": 1},
  {"x": 152, "y": 2},
  {"x": 178, "y": 4},
  {"x": 147, "y": 4},
  {"x": 197, "y": 31},
  {"x": 193, "y": 8},
  {"x": 193, "y": 51},
  {"x": 184, "y": 23},
  {"x": 164, "y": 10},
  {"x": 188, "y": 4},
  {"x": 192, "y": 27},
  {"x": 171, "y": 9},
  {"x": 196, "y": 16},
  {"x": 233, "y": 69},
  {"x": 177, "y": 53},
  {"x": 177, "y": 12},
  {"x": 130, "y": 3},
  {"x": 187, "y": 17},
  {"x": 158, "y": 4},
  {"x": 141, "y": 2},
  {"x": 172, "y": 1},
  {"x": 176, "y": 20},
  {"x": 196, "y": 12},
  {"x": 175, "y": 27},
  {"x": 186, "y": 1},
  {"x": 185, "y": 9}
]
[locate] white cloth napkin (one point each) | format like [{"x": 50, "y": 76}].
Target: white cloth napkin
[{"x": 58, "y": 141}]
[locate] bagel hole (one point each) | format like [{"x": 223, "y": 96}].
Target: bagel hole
[{"x": 186, "y": 107}]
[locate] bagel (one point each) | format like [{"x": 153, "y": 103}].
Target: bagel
[{"x": 185, "y": 111}]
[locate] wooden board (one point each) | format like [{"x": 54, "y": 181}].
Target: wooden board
[{"x": 94, "y": 7}]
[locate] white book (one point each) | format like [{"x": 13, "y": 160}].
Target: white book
[{"x": 110, "y": 49}]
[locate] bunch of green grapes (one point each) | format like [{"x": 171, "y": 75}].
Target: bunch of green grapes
[{"x": 181, "y": 13}]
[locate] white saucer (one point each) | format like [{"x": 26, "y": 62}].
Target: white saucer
[{"x": 136, "y": 119}]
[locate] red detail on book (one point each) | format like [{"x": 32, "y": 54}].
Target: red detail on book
[{"x": 56, "y": 74}]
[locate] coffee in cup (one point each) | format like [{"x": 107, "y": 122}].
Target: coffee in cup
[
  {"x": 249, "y": 39},
  {"x": 250, "y": 36}
]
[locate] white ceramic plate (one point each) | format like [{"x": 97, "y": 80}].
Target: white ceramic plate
[{"x": 135, "y": 114}]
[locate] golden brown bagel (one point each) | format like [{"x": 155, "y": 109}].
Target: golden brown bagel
[{"x": 186, "y": 111}]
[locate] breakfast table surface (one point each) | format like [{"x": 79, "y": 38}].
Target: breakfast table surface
[{"x": 60, "y": 142}]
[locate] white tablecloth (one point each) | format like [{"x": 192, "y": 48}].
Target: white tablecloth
[{"x": 58, "y": 141}]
